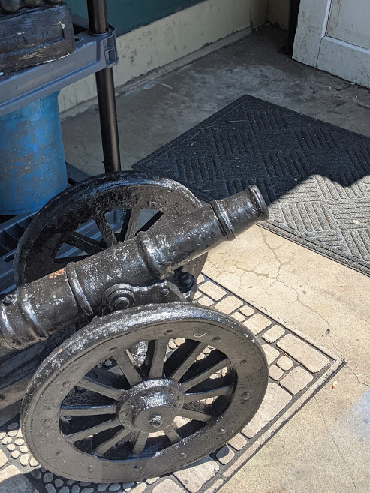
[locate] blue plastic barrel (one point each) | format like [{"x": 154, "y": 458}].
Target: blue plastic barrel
[{"x": 32, "y": 159}]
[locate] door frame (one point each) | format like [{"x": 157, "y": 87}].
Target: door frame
[{"x": 312, "y": 45}]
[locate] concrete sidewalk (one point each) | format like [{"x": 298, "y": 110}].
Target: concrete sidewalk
[{"x": 326, "y": 446}]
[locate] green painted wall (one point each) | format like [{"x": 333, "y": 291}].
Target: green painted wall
[{"x": 126, "y": 15}]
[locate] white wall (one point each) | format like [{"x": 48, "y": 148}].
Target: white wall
[{"x": 169, "y": 39}]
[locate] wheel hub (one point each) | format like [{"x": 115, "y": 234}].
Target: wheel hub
[{"x": 150, "y": 406}]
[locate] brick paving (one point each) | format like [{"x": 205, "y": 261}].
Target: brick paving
[
  {"x": 238, "y": 442},
  {"x": 303, "y": 353},
  {"x": 296, "y": 380},
  {"x": 228, "y": 305},
  {"x": 285, "y": 363},
  {"x": 225, "y": 455},
  {"x": 195, "y": 476},
  {"x": 275, "y": 372},
  {"x": 273, "y": 334},
  {"x": 297, "y": 368},
  {"x": 257, "y": 323},
  {"x": 271, "y": 353}
]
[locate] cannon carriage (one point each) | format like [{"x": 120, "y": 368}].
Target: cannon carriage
[
  {"x": 136, "y": 379},
  {"x": 122, "y": 376}
]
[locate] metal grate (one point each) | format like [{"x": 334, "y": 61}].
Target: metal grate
[{"x": 298, "y": 369}]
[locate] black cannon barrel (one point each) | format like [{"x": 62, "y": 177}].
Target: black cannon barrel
[{"x": 36, "y": 310}]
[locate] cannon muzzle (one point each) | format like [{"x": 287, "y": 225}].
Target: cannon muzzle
[{"x": 36, "y": 310}]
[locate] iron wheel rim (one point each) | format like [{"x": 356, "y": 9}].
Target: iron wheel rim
[
  {"x": 56, "y": 223},
  {"x": 44, "y": 398}
]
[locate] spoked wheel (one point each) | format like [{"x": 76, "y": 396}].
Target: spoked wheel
[
  {"x": 96, "y": 214},
  {"x": 199, "y": 379}
]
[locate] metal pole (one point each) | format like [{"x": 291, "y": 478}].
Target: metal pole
[{"x": 98, "y": 24}]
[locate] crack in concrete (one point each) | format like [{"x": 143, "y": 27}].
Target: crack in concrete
[
  {"x": 347, "y": 365},
  {"x": 281, "y": 264},
  {"x": 356, "y": 375},
  {"x": 314, "y": 312},
  {"x": 238, "y": 278},
  {"x": 298, "y": 295},
  {"x": 277, "y": 279}
]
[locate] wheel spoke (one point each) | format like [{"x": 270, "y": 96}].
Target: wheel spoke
[
  {"x": 105, "y": 229},
  {"x": 159, "y": 353},
  {"x": 204, "y": 375},
  {"x": 89, "y": 384},
  {"x": 140, "y": 442},
  {"x": 190, "y": 414},
  {"x": 105, "y": 377},
  {"x": 128, "y": 369},
  {"x": 199, "y": 396},
  {"x": 88, "y": 410},
  {"x": 129, "y": 226},
  {"x": 107, "y": 425},
  {"x": 67, "y": 260},
  {"x": 151, "y": 221},
  {"x": 186, "y": 364},
  {"x": 84, "y": 243},
  {"x": 172, "y": 434},
  {"x": 105, "y": 446}
]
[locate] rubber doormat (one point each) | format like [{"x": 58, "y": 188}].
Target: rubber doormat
[
  {"x": 314, "y": 176},
  {"x": 298, "y": 368}
]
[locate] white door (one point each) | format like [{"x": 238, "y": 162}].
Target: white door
[{"x": 334, "y": 35}]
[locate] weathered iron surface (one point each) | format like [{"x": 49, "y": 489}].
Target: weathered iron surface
[
  {"x": 123, "y": 296},
  {"x": 143, "y": 392},
  {"x": 18, "y": 367},
  {"x": 37, "y": 33},
  {"x": 133, "y": 198},
  {"x": 44, "y": 306},
  {"x": 152, "y": 382},
  {"x": 142, "y": 202}
]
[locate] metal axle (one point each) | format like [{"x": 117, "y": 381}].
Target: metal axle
[{"x": 40, "y": 308}]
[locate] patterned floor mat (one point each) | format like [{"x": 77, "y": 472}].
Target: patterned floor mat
[{"x": 314, "y": 176}]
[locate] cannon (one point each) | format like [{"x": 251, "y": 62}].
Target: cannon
[{"x": 149, "y": 381}]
